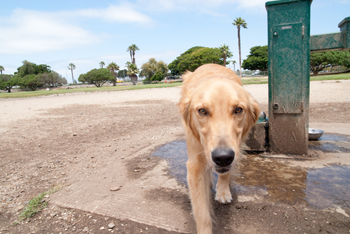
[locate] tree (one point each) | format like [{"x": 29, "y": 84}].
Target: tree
[
  {"x": 132, "y": 72},
  {"x": 257, "y": 59},
  {"x": 157, "y": 77},
  {"x": 152, "y": 67},
  {"x": 72, "y": 67},
  {"x": 194, "y": 58},
  {"x": 33, "y": 76},
  {"x": 173, "y": 66},
  {"x": 318, "y": 62},
  {"x": 226, "y": 53},
  {"x": 239, "y": 22},
  {"x": 321, "y": 60},
  {"x": 29, "y": 68},
  {"x": 52, "y": 79},
  {"x": 32, "y": 82},
  {"x": 113, "y": 67},
  {"x": 82, "y": 79},
  {"x": 132, "y": 50},
  {"x": 102, "y": 64},
  {"x": 122, "y": 73},
  {"x": 143, "y": 73},
  {"x": 338, "y": 58},
  {"x": 2, "y": 69},
  {"x": 8, "y": 81},
  {"x": 97, "y": 77},
  {"x": 26, "y": 69},
  {"x": 234, "y": 65},
  {"x": 42, "y": 68}
]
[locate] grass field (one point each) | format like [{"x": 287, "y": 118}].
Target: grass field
[
  {"x": 245, "y": 81},
  {"x": 344, "y": 76},
  {"x": 83, "y": 90}
]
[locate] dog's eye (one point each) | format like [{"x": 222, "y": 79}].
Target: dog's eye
[
  {"x": 202, "y": 111},
  {"x": 238, "y": 110}
]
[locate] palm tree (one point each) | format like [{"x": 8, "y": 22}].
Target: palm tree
[
  {"x": 239, "y": 22},
  {"x": 234, "y": 65},
  {"x": 2, "y": 69},
  {"x": 102, "y": 64},
  {"x": 132, "y": 50},
  {"x": 226, "y": 53},
  {"x": 113, "y": 67},
  {"x": 72, "y": 67},
  {"x": 132, "y": 71}
]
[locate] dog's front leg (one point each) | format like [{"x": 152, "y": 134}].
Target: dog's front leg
[
  {"x": 223, "y": 193},
  {"x": 199, "y": 182}
]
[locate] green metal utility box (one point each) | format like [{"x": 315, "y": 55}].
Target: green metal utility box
[
  {"x": 333, "y": 41},
  {"x": 289, "y": 78},
  {"x": 344, "y": 26}
]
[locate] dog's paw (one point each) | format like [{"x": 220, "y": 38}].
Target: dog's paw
[{"x": 223, "y": 196}]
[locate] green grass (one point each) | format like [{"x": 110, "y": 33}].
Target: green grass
[
  {"x": 83, "y": 90},
  {"x": 344, "y": 76},
  {"x": 254, "y": 80},
  {"x": 36, "y": 204}
]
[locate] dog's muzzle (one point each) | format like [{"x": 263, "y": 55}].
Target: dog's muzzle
[{"x": 222, "y": 158}]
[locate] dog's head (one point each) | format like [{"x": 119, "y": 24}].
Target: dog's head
[{"x": 218, "y": 112}]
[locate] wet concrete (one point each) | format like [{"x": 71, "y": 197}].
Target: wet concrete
[
  {"x": 176, "y": 155},
  {"x": 334, "y": 137},
  {"x": 332, "y": 143},
  {"x": 329, "y": 148},
  {"x": 279, "y": 182},
  {"x": 329, "y": 186}
]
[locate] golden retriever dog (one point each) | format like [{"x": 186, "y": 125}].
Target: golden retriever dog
[{"x": 217, "y": 113}]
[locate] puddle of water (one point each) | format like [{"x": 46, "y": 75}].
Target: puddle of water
[
  {"x": 329, "y": 147},
  {"x": 176, "y": 154},
  {"x": 321, "y": 188},
  {"x": 334, "y": 137},
  {"x": 324, "y": 187},
  {"x": 332, "y": 143},
  {"x": 328, "y": 185},
  {"x": 271, "y": 179}
]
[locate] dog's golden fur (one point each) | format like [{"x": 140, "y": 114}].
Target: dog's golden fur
[{"x": 217, "y": 113}]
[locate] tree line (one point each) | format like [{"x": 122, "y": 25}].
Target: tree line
[
  {"x": 100, "y": 76},
  {"x": 322, "y": 60},
  {"x": 31, "y": 76},
  {"x": 154, "y": 70}
]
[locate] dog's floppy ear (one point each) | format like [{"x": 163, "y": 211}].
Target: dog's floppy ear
[
  {"x": 185, "y": 110},
  {"x": 252, "y": 115},
  {"x": 185, "y": 103},
  {"x": 186, "y": 76},
  {"x": 184, "y": 107}
]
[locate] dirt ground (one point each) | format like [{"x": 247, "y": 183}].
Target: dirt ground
[{"x": 98, "y": 147}]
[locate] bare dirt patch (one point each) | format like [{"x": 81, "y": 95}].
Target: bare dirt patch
[
  {"x": 75, "y": 143},
  {"x": 67, "y": 144}
]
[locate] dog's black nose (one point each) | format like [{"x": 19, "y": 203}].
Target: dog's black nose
[{"x": 223, "y": 157}]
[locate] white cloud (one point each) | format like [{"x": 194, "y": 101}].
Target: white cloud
[
  {"x": 31, "y": 31},
  {"x": 28, "y": 31},
  {"x": 122, "y": 13}
]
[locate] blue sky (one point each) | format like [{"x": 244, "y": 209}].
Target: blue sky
[{"x": 86, "y": 32}]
